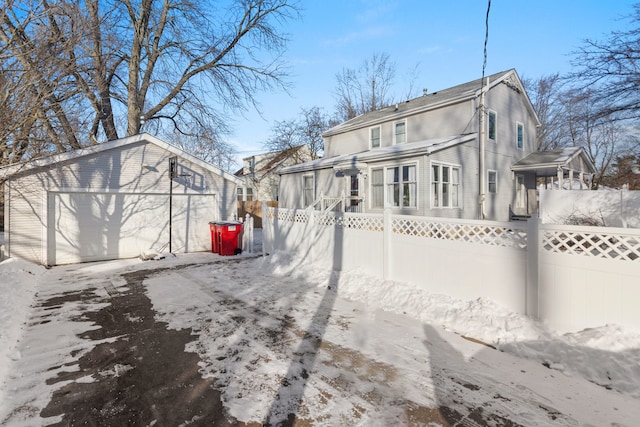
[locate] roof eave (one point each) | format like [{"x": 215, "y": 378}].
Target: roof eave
[
  {"x": 369, "y": 156},
  {"x": 8, "y": 171},
  {"x": 394, "y": 116}
]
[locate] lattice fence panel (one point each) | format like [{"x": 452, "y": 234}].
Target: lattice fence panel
[
  {"x": 271, "y": 213},
  {"x": 595, "y": 244},
  {"x": 325, "y": 218},
  {"x": 488, "y": 234},
  {"x": 302, "y": 216},
  {"x": 361, "y": 222},
  {"x": 353, "y": 221},
  {"x": 285, "y": 215}
]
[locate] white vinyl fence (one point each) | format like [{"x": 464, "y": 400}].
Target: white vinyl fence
[{"x": 569, "y": 277}]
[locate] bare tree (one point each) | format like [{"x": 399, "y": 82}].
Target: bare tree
[
  {"x": 367, "y": 88},
  {"x": 103, "y": 68},
  {"x": 32, "y": 70},
  {"x": 306, "y": 129},
  {"x": 546, "y": 96},
  {"x": 573, "y": 116},
  {"x": 624, "y": 172},
  {"x": 603, "y": 137},
  {"x": 613, "y": 67}
]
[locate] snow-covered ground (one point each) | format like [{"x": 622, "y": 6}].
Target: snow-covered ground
[{"x": 380, "y": 342}]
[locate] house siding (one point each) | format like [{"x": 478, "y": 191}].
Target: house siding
[
  {"x": 507, "y": 102},
  {"x": 451, "y": 120}
]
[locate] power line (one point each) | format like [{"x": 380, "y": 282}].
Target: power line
[{"x": 486, "y": 39}]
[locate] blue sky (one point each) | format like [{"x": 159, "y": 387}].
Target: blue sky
[{"x": 444, "y": 38}]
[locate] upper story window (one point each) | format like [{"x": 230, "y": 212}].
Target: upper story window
[
  {"x": 401, "y": 186},
  {"x": 519, "y": 136},
  {"x": 445, "y": 186},
  {"x": 492, "y": 124},
  {"x": 374, "y": 137},
  {"x": 240, "y": 194},
  {"x": 400, "y": 132},
  {"x": 249, "y": 194},
  {"x": 492, "y": 181}
]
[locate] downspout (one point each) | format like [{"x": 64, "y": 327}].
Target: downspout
[{"x": 482, "y": 139}]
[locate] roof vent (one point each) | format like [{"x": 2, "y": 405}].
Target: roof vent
[{"x": 424, "y": 92}]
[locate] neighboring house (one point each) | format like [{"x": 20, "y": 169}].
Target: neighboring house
[
  {"x": 111, "y": 201},
  {"x": 427, "y": 156},
  {"x": 258, "y": 173}
]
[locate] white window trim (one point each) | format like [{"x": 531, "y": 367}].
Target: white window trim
[
  {"x": 460, "y": 189},
  {"x": 379, "y": 136},
  {"x": 518, "y": 124},
  {"x": 489, "y": 112},
  {"x": 489, "y": 172},
  {"x": 384, "y": 179},
  {"x": 405, "y": 131}
]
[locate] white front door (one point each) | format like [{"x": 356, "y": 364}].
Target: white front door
[{"x": 353, "y": 194}]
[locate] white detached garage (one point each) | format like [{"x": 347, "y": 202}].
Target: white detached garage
[{"x": 112, "y": 201}]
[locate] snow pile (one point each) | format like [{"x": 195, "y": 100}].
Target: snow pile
[
  {"x": 18, "y": 285},
  {"x": 608, "y": 356},
  {"x": 481, "y": 319}
]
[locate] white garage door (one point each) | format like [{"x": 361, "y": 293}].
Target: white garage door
[{"x": 102, "y": 226}]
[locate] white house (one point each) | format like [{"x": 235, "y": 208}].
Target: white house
[
  {"x": 113, "y": 200},
  {"x": 449, "y": 153},
  {"x": 258, "y": 173}
]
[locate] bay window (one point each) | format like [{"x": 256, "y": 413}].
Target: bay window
[{"x": 401, "y": 186}]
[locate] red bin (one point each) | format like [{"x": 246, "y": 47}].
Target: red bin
[{"x": 230, "y": 238}]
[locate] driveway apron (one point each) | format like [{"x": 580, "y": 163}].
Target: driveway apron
[{"x": 142, "y": 377}]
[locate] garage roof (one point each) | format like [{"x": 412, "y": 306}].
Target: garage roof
[{"x": 9, "y": 170}]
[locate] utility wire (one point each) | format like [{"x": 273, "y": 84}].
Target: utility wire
[{"x": 486, "y": 40}]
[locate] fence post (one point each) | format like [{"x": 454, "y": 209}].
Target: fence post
[
  {"x": 533, "y": 248},
  {"x": 266, "y": 225},
  {"x": 248, "y": 225},
  {"x": 386, "y": 245}
]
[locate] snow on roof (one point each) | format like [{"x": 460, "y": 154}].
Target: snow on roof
[
  {"x": 384, "y": 153},
  {"x": 426, "y": 102}
]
